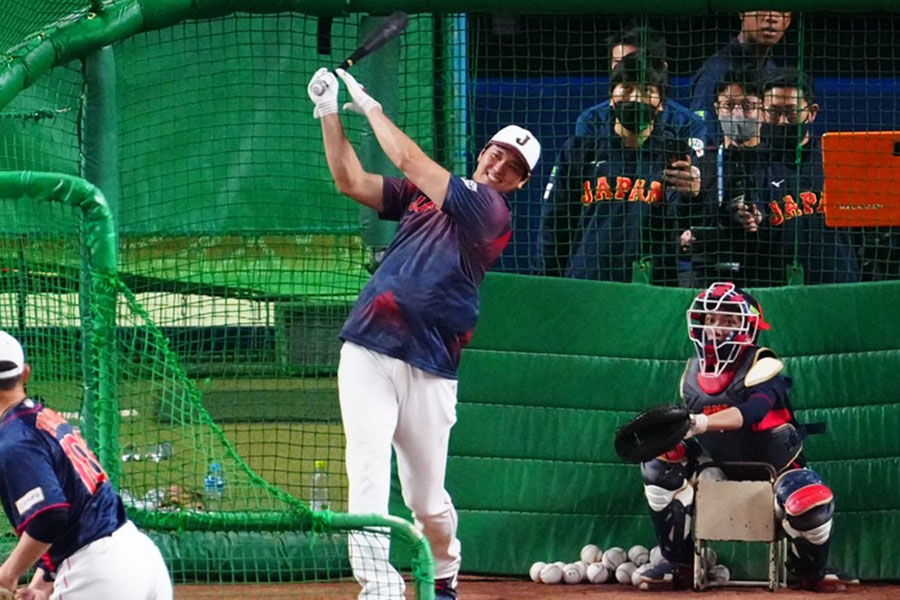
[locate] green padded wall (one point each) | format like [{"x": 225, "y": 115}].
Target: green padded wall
[{"x": 557, "y": 365}]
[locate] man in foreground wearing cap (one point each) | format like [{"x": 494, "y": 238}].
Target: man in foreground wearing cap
[
  {"x": 69, "y": 520},
  {"x": 402, "y": 341}
]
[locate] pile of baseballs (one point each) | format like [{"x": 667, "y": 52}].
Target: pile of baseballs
[{"x": 611, "y": 566}]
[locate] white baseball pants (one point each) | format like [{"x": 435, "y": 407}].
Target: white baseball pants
[
  {"x": 387, "y": 402},
  {"x": 126, "y": 565}
]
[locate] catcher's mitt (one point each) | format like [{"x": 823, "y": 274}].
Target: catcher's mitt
[{"x": 652, "y": 432}]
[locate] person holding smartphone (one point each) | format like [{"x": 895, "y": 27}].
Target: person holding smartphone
[{"x": 616, "y": 203}]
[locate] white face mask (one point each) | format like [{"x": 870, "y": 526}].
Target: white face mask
[{"x": 738, "y": 128}]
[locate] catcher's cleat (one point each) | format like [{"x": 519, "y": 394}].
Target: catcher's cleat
[
  {"x": 666, "y": 576},
  {"x": 832, "y": 582},
  {"x": 445, "y": 589}
]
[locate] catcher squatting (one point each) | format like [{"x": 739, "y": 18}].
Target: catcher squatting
[{"x": 739, "y": 411}]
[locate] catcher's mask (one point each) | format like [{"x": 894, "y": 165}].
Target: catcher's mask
[{"x": 722, "y": 321}]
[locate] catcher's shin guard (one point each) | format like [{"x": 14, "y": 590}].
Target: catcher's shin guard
[
  {"x": 671, "y": 500},
  {"x": 805, "y": 506}
]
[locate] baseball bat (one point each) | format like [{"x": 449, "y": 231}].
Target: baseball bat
[{"x": 391, "y": 28}]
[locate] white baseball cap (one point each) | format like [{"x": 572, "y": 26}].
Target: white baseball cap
[
  {"x": 519, "y": 140},
  {"x": 12, "y": 357}
]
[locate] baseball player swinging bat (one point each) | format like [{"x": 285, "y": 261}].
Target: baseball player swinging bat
[{"x": 391, "y": 28}]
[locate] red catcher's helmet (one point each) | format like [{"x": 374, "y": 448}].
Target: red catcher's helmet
[{"x": 722, "y": 321}]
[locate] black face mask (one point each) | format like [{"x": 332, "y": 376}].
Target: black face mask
[
  {"x": 784, "y": 138},
  {"x": 634, "y": 116}
]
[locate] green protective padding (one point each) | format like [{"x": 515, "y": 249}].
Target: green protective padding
[
  {"x": 556, "y": 366},
  {"x": 600, "y": 380},
  {"x": 585, "y": 322}
]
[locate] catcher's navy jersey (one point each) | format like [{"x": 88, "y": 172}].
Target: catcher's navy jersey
[
  {"x": 688, "y": 126},
  {"x": 607, "y": 206},
  {"x": 769, "y": 433},
  {"x": 792, "y": 203},
  {"x": 45, "y": 464},
  {"x": 422, "y": 303}
]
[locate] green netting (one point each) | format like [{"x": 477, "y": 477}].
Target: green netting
[
  {"x": 237, "y": 261},
  {"x": 238, "y": 478}
]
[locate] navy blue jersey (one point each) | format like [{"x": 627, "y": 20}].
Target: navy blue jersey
[
  {"x": 607, "y": 206},
  {"x": 790, "y": 198},
  {"x": 598, "y": 119},
  {"x": 422, "y": 303},
  {"x": 45, "y": 464},
  {"x": 704, "y": 82}
]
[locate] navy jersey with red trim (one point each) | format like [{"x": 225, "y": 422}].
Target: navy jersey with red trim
[
  {"x": 792, "y": 205},
  {"x": 421, "y": 304},
  {"x": 607, "y": 206},
  {"x": 45, "y": 464}
]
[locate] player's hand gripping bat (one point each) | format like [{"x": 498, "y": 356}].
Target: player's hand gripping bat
[{"x": 391, "y": 28}]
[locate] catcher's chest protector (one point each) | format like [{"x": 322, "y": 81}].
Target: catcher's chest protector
[
  {"x": 779, "y": 447},
  {"x": 733, "y": 394}
]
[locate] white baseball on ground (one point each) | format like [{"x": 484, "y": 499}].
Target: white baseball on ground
[
  {"x": 560, "y": 564},
  {"x": 582, "y": 566},
  {"x": 655, "y": 555},
  {"x": 624, "y": 571},
  {"x": 572, "y": 573},
  {"x": 551, "y": 573},
  {"x": 589, "y": 553},
  {"x": 636, "y": 575},
  {"x": 639, "y": 555},
  {"x": 597, "y": 573},
  {"x": 613, "y": 557},
  {"x": 535, "y": 571},
  {"x": 719, "y": 573}
]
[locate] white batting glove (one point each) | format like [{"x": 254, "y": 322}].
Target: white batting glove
[
  {"x": 699, "y": 423},
  {"x": 362, "y": 103},
  {"x": 323, "y": 91}
]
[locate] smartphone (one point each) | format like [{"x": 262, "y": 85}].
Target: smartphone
[
  {"x": 704, "y": 239},
  {"x": 677, "y": 149},
  {"x": 704, "y": 233}
]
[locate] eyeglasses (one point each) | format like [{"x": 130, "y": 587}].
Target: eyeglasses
[
  {"x": 779, "y": 113},
  {"x": 733, "y": 107}
]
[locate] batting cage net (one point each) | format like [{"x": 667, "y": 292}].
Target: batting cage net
[{"x": 199, "y": 354}]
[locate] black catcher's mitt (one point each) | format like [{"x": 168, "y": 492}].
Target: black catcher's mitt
[{"x": 652, "y": 432}]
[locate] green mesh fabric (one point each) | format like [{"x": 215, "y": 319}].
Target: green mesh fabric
[{"x": 237, "y": 261}]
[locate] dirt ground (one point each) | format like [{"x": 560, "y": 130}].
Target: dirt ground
[{"x": 484, "y": 588}]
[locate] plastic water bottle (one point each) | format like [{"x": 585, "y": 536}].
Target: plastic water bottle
[
  {"x": 318, "y": 489},
  {"x": 214, "y": 486}
]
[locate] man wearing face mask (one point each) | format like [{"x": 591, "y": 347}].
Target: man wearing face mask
[
  {"x": 615, "y": 199},
  {"x": 596, "y": 119},
  {"x": 790, "y": 212},
  {"x": 726, "y": 248}
]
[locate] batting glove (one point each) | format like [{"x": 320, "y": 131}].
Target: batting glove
[
  {"x": 362, "y": 103},
  {"x": 699, "y": 423},
  {"x": 323, "y": 91}
]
